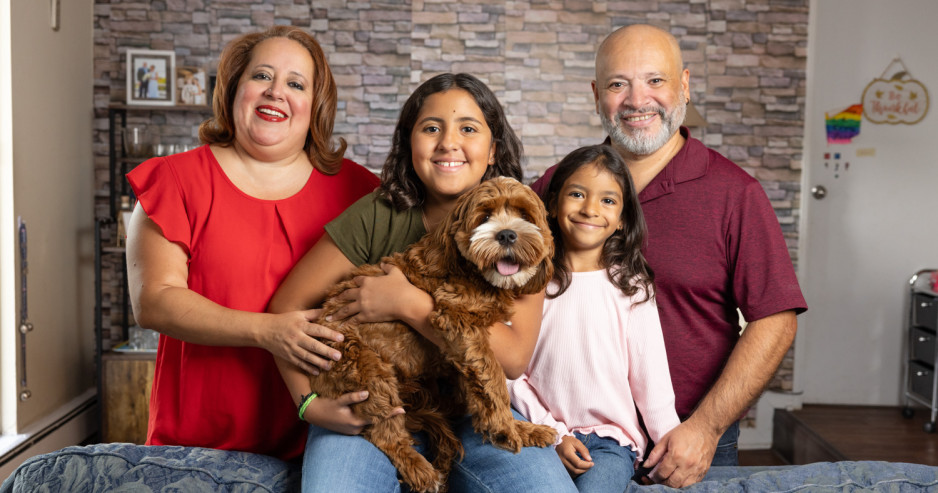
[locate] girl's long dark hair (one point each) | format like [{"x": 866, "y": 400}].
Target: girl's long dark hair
[
  {"x": 399, "y": 181},
  {"x": 622, "y": 253}
]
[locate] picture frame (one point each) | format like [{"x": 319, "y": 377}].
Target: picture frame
[
  {"x": 151, "y": 77},
  {"x": 191, "y": 86}
]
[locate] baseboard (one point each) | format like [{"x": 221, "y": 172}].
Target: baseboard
[{"x": 72, "y": 424}]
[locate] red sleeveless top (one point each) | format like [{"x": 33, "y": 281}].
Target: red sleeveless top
[{"x": 240, "y": 248}]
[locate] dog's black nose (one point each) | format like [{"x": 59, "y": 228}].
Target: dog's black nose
[{"x": 506, "y": 237}]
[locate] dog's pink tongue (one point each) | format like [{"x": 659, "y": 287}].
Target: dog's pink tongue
[{"x": 506, "y": 267}]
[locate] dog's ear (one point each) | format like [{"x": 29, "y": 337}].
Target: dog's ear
[
  {"x": 545, "y": 270},
  {"x": 449, "y": 232}
]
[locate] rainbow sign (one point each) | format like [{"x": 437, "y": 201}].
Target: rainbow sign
[{"x": 844, "y": 126}]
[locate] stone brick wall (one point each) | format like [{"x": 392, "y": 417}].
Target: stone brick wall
[{"x": 746, "y": 58}]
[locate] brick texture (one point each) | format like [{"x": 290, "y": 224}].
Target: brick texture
[{"x": 746, "y": 58}]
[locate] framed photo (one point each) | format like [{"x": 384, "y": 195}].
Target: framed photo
[
  {"x": 191, "y": 86},
  {"x": 151, "y": 77}
]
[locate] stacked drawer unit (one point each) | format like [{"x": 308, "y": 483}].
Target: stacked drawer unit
[{"x": 921, "y": 381}]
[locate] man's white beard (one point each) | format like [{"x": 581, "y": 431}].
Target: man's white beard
[{"x": 643, "y": 142}]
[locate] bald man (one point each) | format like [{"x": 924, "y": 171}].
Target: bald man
[{"x": 714, "y": 244}]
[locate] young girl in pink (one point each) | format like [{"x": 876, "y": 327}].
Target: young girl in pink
[{"x": 600, "y": 357}]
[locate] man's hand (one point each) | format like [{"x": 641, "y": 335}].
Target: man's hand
[
  {"x": 574, "y": 455},
  {"x": 682, "y": 457}
]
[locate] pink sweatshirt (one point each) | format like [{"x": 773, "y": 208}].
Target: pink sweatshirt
[{"x": 598, "y": 356}]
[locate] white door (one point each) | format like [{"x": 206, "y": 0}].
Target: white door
[
  {"x": 875, "y": 227},
  {"x": 48, "y": 131}
]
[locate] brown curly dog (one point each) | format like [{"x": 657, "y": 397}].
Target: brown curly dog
[{"x": 494, "y": 246}]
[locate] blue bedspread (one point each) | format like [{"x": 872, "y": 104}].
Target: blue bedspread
[
  {"x": 127, "y": 467},
  {"x": 113, "y": 467}
]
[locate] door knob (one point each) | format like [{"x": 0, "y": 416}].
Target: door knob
[{"x": 818, "y": 192}]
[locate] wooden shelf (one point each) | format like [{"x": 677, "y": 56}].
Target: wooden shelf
[{"x": 124, "y": 379}]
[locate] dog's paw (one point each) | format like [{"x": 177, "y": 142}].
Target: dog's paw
[
  {"x": 536, "y": 435},
  {"x": 508, "y": 439},
  {"x": 422, "y": 477}
]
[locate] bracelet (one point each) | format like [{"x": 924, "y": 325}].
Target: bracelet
[{"x": 304, "y": 403}]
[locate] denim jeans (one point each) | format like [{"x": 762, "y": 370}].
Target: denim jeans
[
  {"x": 727, "y": 453},
  {"x": 613, "y": 465},
  {"x": 488, "y": 469},
  {"x": 339, "y": 463}
]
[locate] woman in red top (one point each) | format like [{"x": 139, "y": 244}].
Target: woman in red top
[{"x": 215, "y": 231}]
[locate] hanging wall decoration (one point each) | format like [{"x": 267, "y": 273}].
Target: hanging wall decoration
[
  {"x": 844, "y": 125},
  {"x": 896, "y": 99}
]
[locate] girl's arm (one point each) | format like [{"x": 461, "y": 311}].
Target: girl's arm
[
  {"x": 310, "y": 279},
  {"x": 304, "y": 287},
  {"x": 157, "y": 274},
  {"x": 514, "y": 344},
  {"x": 393, "y": 297}
]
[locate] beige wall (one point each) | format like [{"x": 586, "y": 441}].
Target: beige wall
[
  {"x": 53, "y": 188},
  {"x": 875, "y": 227}
]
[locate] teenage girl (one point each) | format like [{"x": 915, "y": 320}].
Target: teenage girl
[
  {"x": 601, "y": 353},
  {"x": 451, "y": 135}
]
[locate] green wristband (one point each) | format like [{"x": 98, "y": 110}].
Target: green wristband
[{"x": 306, "y": 399}]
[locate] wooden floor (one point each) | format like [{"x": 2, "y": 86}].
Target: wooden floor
[
  {"x": 761, "y": 458},
  {"x": 831, "y": 433}
]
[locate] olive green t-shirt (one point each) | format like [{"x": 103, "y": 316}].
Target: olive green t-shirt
[{"x": 371, "y": 229}]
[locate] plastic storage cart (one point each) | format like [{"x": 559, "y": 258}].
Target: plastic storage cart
[{"x": 921, "y": 382}]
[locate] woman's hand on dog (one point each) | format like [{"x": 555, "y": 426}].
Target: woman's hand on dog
[
  {"x": 296, "y": 339},
  {"x": 574, "y": 455},
  {"x": 337, "y": 415}
]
